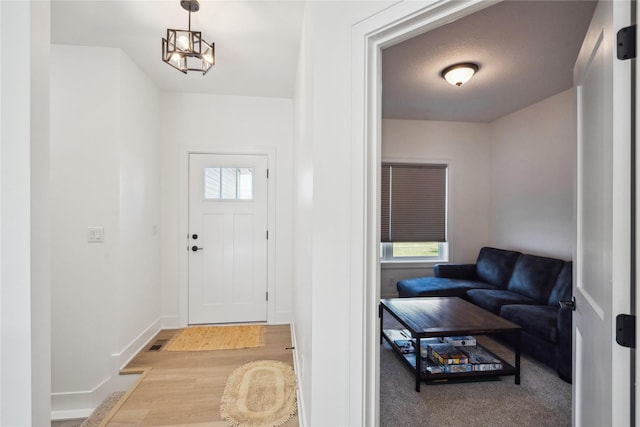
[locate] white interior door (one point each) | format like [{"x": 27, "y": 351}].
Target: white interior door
[
  {"x": 227, "y": 238},
  {"x": 603, "y": 215}
]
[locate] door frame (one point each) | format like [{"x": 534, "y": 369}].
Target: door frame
[
  {"x": 393, "y": 25},
  {"x": 183, "y": 223}
]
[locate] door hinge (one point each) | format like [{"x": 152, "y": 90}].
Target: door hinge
[
  {"x": 267, "y": 295},
  {"x": 626, "y": 330},
  {"x": 267, "y": 234},
  {"x": 267, "y": 173},
  {"x": 626, "y": 43}
]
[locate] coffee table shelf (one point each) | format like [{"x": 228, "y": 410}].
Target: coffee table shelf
[
  {"x": 447, "y": 316},
  {"x": 410, "y": 360}
]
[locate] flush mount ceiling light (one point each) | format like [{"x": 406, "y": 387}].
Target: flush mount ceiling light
[
  {"x": 186, "y": 50},
  {"x": 459, "y": 74}
]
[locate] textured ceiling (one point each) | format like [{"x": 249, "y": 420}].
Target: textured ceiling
[
  {"x": 257, "y": 42},
  {"x": 525, "y": 50}
]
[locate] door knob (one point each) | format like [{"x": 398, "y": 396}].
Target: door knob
[
  {"x": 194, "y": 248},
  {"x": 568, "y": 304}
]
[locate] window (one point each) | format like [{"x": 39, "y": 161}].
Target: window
[
  {"x": 228, "y": 183},
  {"x": 414, "y": 212},
  {"x": 414, "y": 251}
]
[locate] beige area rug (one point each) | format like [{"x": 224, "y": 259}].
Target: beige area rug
[
  {"x": 260, "y": 394},
  {"x": 204, "y": 338}
]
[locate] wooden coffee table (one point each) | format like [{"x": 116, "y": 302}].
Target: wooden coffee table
[{"x": 442, "y": 317}]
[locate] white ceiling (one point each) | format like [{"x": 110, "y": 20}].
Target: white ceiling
[
  {"x": 257, "y": 42},
  {"x": 525, "y": 50}
]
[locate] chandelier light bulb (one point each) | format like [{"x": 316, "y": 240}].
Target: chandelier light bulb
[{"x": 183, "y": 42}]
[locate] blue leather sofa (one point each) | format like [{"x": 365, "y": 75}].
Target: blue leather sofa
[{"x": 525, "y": 289}]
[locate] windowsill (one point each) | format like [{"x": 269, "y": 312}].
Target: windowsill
[{"x": 408, "y": 264}]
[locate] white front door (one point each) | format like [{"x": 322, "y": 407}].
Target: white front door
[
  {"x": 603, "y": 217},
  {"x": 227, "y": 238}
]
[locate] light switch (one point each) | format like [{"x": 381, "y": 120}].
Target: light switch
[{"x": 96, "y": 234}]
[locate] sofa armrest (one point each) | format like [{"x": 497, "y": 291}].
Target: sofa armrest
[
  {"x": 456, "y": 271},
  {"x": 564, "y": 344}
]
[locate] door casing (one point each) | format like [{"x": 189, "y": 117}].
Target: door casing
[
  {"x": 393, "y": 25},
  {"x": 183, "y": 221},
  {"x": 219, "y": 268}
]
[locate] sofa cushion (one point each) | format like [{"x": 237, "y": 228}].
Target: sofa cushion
[
  {"x": 495, "y": 266},
  {"x": 436, "y": 287},
  {"x": 493, "y": 299},
  {"x": 538, "y": 320},
  {"x": 456, "y": 271},
  {"x": 562, "y": 288},
  {"x": 534, "y": 276}
]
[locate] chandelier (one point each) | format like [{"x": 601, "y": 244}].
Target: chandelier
[{"x": 186, "y": 50}]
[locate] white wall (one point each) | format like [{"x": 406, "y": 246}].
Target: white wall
[
  {"x": 40, "y": 214},
  {"x": 532, "y": 178},
  {"x": 224, "y": 124},
  {"x": 104, "y": 172},
  {"x": 327, "y": 347},
  {"x": 24, "y": 255},
  {"x": 15, "y": 278},
  {"x": 302, "y": 212},
  {"x": 510, "y": 181},
  {"x": 139, "y": 293}
]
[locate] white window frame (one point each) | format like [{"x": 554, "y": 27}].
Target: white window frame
[
  {"x": 386, "y": 254},
  {"x": 386, "y": 248}
]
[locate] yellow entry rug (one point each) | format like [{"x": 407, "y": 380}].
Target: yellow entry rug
[
  {"x": 203, "y": 338},
  {"x": 260, "y": 394}
]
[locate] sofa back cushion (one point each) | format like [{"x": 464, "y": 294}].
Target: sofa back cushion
[
  {"x": 495, "y": 266},
  {"x": 534, "y": 276},
  {"x": 562, "y": 289}
]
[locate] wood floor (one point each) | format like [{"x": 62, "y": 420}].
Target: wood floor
[{"x": 185, "y": 388}]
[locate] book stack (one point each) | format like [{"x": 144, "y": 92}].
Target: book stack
[
  {"x": 446, "y": 355},
  {"x": 446, "y": 358},
  {"x": 482, "y": 359}
]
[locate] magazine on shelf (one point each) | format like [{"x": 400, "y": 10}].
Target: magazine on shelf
[
  {"x": 405, "y": 346},
  {"x": 433, "y": 367},
  {"x": 482, "y": 359},
  {"x": 460, "y": 341},
  {"x": 397, "y": 334}
]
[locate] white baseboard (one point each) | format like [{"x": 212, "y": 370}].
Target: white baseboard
[
  {"x": 171, "y": 322},
  {"x": 80, "y": 404},
  {"x": 299, "y": 395},
  {"x": 138, "y": 343}
]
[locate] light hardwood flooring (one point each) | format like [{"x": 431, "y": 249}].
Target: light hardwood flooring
[{"x": 185, "y": 388}]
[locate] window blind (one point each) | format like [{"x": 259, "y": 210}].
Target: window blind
[{"x": 414, "y": 203}]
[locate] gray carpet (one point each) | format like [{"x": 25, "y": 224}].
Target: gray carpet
[{"x": 541, "y": 399}]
